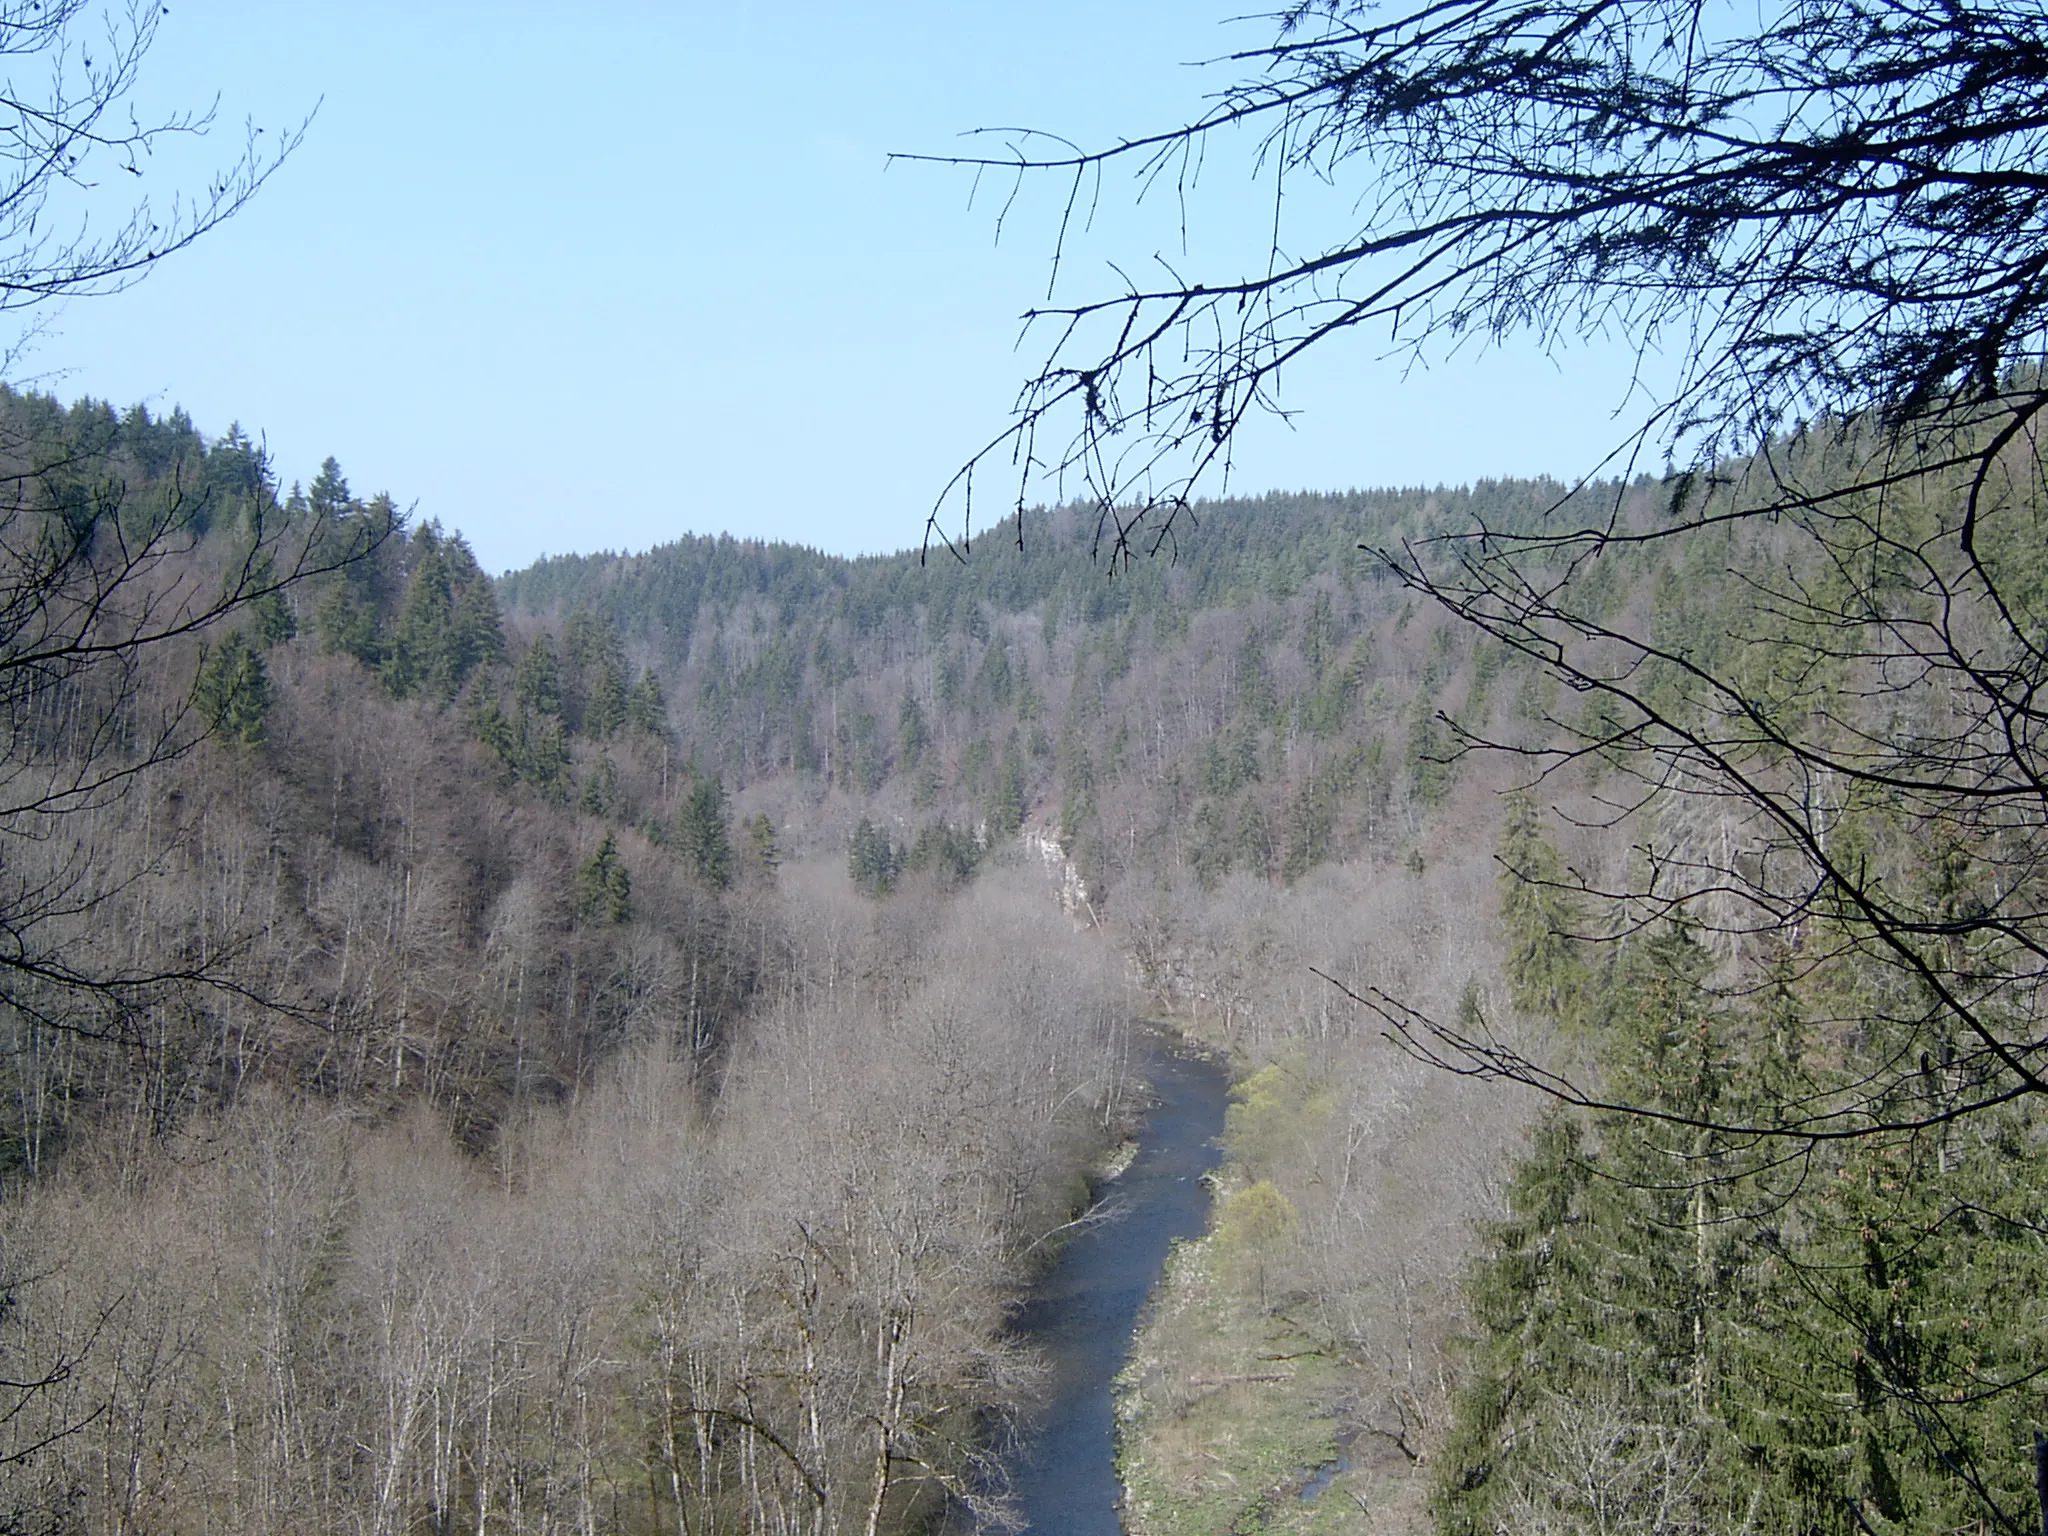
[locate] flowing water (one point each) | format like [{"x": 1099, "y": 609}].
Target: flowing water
[{"x": 1083, "y": 1313}]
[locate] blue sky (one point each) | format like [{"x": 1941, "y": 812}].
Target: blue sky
[{"x": 576, "y": 278}]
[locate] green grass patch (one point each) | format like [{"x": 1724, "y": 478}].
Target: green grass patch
[{"x": 1225, "y": 1411}]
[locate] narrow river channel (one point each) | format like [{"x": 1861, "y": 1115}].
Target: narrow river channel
[{"x": 1083, "y": 1313}]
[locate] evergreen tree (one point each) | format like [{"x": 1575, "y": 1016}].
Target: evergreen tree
[
  {"x": 421, "y": 655},
  {"x": 995, "y": 682},
  {"x": 1210, "y": 846},
  {"x": 232, "y": 693},
  {"x": 1255, "y": 849},
  {"x": 540, "y": 754},
  {"x": 1318, "y": 636},
  {"x": 1077, "y": 781},
  {"x": 871, "y": 860},
  {"x": 537, "y": 683},
  {"x": 1431, "y": 764},
  {"x": 329, "y": 496},
  {"x": 1529, "y": 1298},
  {"x": 949, "y": 854},
  {"x": 1311, "y": 827},
  {"x": 1546, "y": 976},
  {"x": 702, "y": 839},
  {"x": 476, "y": 638},
  {"x": 604, "y": 710},
  {"x": 912, "y": 734},
  {"x": 272, "y": 619},
  {"x": 603, "y": 793},
  {"x": 346, "y": 623},
  {"x": 604, "y": 889},
  {"x": 1331, "y": 706},
  {"x": 1256, "y": 699},
  {"x": 235, "y": 468},
  {"x": 1006, "y": 806},
  {"x": 646, "y": 709}
]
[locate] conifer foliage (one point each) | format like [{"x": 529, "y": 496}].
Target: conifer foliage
[
  {"x": 233, "y": 690},
  {"x": 1682, "y": 1328}
]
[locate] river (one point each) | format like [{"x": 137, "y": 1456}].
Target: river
[{"x": 1082, "y": 1315}]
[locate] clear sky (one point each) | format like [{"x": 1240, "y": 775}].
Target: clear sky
[{"x": 573, "y": 278}]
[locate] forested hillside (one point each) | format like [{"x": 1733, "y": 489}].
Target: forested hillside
[
  {"x": 1758, "y": 794},
  {"x": 1260, "y": 698},
  {"x": 426, "y": 1104},
  {"x": 607, "y": 1047}
]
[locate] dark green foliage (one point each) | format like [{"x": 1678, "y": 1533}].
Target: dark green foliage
[
  {"x": 994, "y": 684},
  {"x": 1311, "y": 826},
  {"x": 603, "y": 795},
  {"x": 235, "y": 469},
  {"x": 703, "y": 840},
  {"x": 912, "y": 734},
  {"x": 604, "y": 889},
  {"x": 1256, "y": 698},
  {"x": 592, "y": 676},
  {"x": 1529, "y": 1299},
  {"x": 1541, "y": 920},
  {"x": 346, "y": 622},
  {"x": 605, "y": 711},
  {"x": 1077, "y": 777},
  {"x": 1256, "y": 849},
  {"x": 977, "y": 692},
  {"x": 1211, "y": 845},
  {"x": 862, "y": 752},
  {"x": 233, "y": 691},
  {"x": 271, "y": 619},
  {"x": 646, "y": 708},
  {"x": 1432, "y": 747},
  {"x": 532, "y": 747},
  {"x": 1814, "y": 1344},
  {"x": 329, "y": 494},
  {"x": 537, "y": 681},
  {"x": 1327, "y": 710},
  {"x": 478, "y": 639},
  {"x": 871, "y": 860},
  {"x": 950, "y": 854},
  {"x": 1006, "y": 806},
  {"x": 1230, "y": 762},
  {"x": 447, "y": 624},
  {"x": 421, "y": 653},
  {"x": 1318, "y": 636}
]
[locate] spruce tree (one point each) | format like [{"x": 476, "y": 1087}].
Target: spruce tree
[
  {"x": 604, "y": 710},
  {"x": 703, "y": 841},
  {"x": 1006, "y": 806},
  {"x": 646, "y": 709},
  {"x": 329, "y": 495},
  {"x": 604, "y": 889},
  {"x": 422, "y": 654},
  {"x": 1546, "y": 976},
  {"x": 232, "y": 693},
  {"x": 871, "y": 860},
  {"x": 476, "y": 637},
  {"x": 537, "y": 683}
]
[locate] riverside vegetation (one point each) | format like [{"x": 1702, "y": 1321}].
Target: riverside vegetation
[{"x": 599, "y": 1050}]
